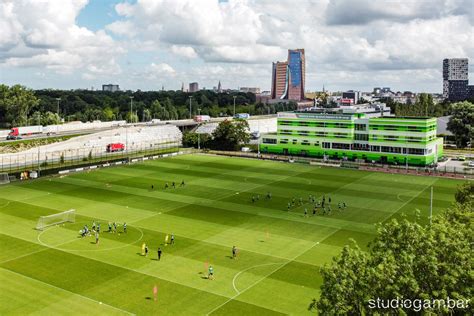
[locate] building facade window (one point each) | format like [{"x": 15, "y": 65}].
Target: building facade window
[
  {"x": 362, "y": 137},
  {"x": 387, "y": 149},
  {"x": 340, "y": 146},
  {"x": 357, "y": 146},
  {"x": 360, "y": 127},
  {"x": 416, "y": 151},
  {"x": 269, "y": 140}
]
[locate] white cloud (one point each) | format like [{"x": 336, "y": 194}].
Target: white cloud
[
  {"x": 348, "y": 41},
  {"x": 45, "y": 34},
  {"x": 123, "y": 28},
  {"x": 157, "y": 71},
  {"x": 184, "y": 51}
]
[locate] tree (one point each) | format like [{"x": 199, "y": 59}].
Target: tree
[
  {"x": 461, "y": 123},
  {"x": 194, "y": 140},
  {"x": 86, "y": 105},
  {"x": 146, "y": 115},
  {"x": 17, "y": 102},
  {"x": 230, "y": 134},
  {"x": 50, "y": 118},
  {"x": 108, "y": 114},
  {"x": 406, "y": 260},
  {"x": 465, "y": 193},
  {"x": 132, "y": 117}
]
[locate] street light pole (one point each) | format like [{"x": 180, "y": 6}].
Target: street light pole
[
  {"x": 39, "y": 165},
  {"x": 131, "y": 108},
  {"x": 58, "y": 99},
  {"x": 199, "y": 135},
  {"x": 234, "y": 104},
  {"x": 258, "y": 141},
  {"x": 190, "y": 105}
]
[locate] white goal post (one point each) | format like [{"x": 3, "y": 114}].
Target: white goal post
[
  {"x": 54, "y": 219},
  {"x": 4, "y": 179}
]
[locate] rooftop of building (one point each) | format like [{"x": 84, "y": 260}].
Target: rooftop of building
[
  {"x": 406, "y": 117},
  {"x": 338, "y": 112}
]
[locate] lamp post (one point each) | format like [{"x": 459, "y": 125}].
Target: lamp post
[
  {"x": 131, "y": 108},
  {"x": 39, "y": 165},
  {"x": 199, "y": 135},
  {"x": 190, "y": 105},
  {"x": 58, "y": 99},
  {"x": 234, "y": 103},
  {"x": 258, "y": 141}
]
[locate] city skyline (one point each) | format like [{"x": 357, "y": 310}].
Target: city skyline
[{"x": 358, "y": 44}]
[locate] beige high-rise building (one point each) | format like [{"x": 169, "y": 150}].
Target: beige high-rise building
[
  {"x": 279, "y": 80},
  {"x": 288, "y": 78}
]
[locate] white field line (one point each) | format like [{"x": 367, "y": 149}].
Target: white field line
[
  {"x": 267, "y": 275},
  {"x": 76, "y": 294},
  {"x": 249, "y": 268},
  {"x": 85, "y": 250},
  {"x": 408, "y": 201},
  {"x": 70, "y": 241},
  {"x": 290, "y": 215},
  {"x": 55, "y": 247}
]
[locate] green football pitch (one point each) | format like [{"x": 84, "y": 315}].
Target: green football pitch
[{"x": 276, "y": 271}]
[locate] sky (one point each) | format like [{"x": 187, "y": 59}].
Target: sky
[{"x": 150, "y": 44}]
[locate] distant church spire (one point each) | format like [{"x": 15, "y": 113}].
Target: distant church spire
[
  {"x": 219, "y": 87},
  {"x": 182, "y": 86}
]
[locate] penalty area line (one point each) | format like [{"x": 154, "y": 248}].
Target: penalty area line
[
  {"x": 249, "y": 268},
  {"x": 282, "y": 264}
]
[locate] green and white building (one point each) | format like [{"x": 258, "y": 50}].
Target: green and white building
[{"x": 354, "y": 136}]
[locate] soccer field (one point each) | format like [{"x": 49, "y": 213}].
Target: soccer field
[{"x": 277, "y": 268}]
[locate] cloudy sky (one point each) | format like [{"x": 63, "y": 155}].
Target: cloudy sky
[{"x": 147, "y": 44}]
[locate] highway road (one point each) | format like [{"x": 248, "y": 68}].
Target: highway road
[{"x": 178, "y": 123}]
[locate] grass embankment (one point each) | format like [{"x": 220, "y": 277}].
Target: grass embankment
[{"x": 25, "y": 144}]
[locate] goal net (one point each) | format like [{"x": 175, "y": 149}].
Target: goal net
[
  {"x": 4, "y": 179},
  {"x": 50, "y": 220}
]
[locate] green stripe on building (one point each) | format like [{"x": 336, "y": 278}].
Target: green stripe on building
[{"x": 398, "y": 140}]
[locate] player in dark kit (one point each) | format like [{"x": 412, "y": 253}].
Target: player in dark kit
[{"x": 159, "y": 253}]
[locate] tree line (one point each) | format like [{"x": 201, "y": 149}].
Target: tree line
[
  {"x": 408, "y": 262},
  {"x": 228, "y": 135},
  {"x": 20, "y": 105},
  {"x": 423, "y": 106}
]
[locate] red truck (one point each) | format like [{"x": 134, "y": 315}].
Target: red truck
[
  {"x": 114, "y": 147},
  {"x": 18, "y": 132}
]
